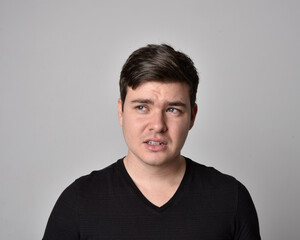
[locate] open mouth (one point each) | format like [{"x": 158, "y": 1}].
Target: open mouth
[{"x": 154, "y": 143}]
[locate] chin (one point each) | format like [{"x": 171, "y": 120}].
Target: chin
[{"x": 158, "y": 161}]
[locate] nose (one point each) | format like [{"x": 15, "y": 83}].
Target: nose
[{"x": 158, "y": 122}]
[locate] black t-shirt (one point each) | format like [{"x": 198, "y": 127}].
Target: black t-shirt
[{"x": 106, "y": 204}]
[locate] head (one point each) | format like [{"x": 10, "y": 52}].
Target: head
[
  {"x": 160, "y": 63},
  {"x": 157, "y": 106}
]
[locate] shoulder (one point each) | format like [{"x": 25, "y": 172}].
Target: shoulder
[
  {"x": 210, "y": 177},
  {"x": 224, "y": 194},
  {"x": 96, "y": 180},
  {"x": 224, "y": 187},
  {"x": 208, "y": 180},
  {"x": 96, "y": 185}
]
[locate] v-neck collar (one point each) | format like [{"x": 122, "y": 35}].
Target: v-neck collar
[{"x": 141, "y": 196}]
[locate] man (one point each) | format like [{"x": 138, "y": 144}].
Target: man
[{"x": 155, "y": 192}]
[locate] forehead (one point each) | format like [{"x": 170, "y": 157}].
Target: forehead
[{"x": 160, "y": 91}]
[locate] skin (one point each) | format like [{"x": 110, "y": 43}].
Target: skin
[{"x": 156, "y": 119}]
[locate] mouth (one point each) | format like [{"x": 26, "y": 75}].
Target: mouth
[{"x": 155, "y": 143}]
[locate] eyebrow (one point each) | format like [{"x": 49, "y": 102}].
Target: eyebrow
[
  {"x": 177, "y": 103},
  {"x": 142, "y": 100},
  {"x": 149, "y": 101}
]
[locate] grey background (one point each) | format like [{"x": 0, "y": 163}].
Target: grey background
[{"x": 59, "y": 70}]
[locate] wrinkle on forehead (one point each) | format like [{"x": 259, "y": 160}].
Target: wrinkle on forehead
[{"x": 162, "y": 92}]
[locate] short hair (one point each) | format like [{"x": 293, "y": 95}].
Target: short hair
[{"x": 159, "y": 63}]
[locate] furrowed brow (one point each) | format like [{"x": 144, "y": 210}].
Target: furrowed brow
[
  {"x": 177, "y": 103},
  {"x": 142, "y": 100}
]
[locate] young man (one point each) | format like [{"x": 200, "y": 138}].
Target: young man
[{"x": 155, "y": 192}]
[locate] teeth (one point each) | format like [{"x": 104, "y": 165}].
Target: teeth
[{"x": 154, "y": 143}]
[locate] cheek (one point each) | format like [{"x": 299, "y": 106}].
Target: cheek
[
  {"x": 127, "y": 132},
  {"x": 127, "y": 125},
  {"x": 131, "y": 127},
  {"x": 129, "y": 122},
  {"x": 180, "y": 130}
]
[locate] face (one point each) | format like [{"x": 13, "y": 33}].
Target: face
[{"x": 156, "y": 119}]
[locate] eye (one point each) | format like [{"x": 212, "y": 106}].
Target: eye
[
  {"x": 174, "y": 110},
  {"x": 171, "y": 109},
  {"x": 141, "y": 108}
]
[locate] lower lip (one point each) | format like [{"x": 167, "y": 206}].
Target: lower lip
[{"x": 156, "y": 148}]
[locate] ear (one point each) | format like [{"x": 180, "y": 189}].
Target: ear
[
  {"x": 120, "y": 111},
  {"x": 193, "y": 117}
]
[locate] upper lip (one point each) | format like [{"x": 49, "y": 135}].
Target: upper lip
[{"x": 163, "y": 141}]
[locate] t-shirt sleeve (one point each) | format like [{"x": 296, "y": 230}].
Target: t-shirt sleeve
[
  {"x": 63, "y": 222},
  {"x": 247, "y": 227}
]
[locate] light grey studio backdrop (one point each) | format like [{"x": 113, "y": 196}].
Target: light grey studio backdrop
[{"x": 59, "y": 68}]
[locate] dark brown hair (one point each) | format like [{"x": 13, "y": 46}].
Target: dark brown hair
[{"x": 158, "y": 63}]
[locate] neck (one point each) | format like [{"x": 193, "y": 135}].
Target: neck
[
  {"x": 157, "y": 183},
  {"x": 171, "y": 172}
]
